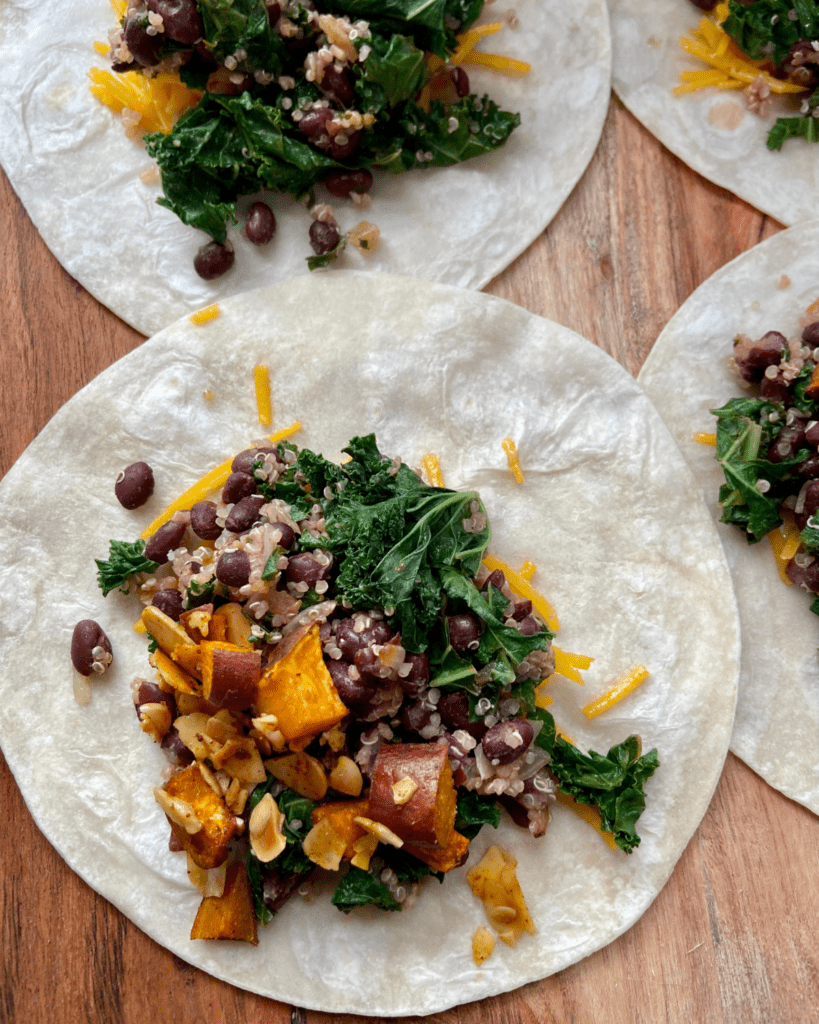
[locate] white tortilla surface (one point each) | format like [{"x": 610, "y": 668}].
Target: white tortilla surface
[
  {"x": 711, "y": 130},
  {"x": 686, "y": 375},
  {"x": 609, "y": 512},
  {"x": 77, "y": 173}
]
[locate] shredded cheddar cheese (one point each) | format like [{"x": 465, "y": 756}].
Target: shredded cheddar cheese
[
  {"x": 523, "y": 588},
  {"x": 589, "y": 814},
  {"x": 785, "y": 541},
  {"x": 706, "y": 439},
  {"x": 729, "y": 67},
  {"x": 621, "y": 688},
  {"x": 527, "y": 570},
  {"x": 567, "y": 664},
  {"x": 204, "y": 315},
  {"x": 211, "y": 481},
  {"x": 158, "y": 101},
  {"x": 261, "y": 379},
  {"x": 140, "y": 627},
  {"x": 512, "y": 459},
  {"x": 432, "y": 468}
]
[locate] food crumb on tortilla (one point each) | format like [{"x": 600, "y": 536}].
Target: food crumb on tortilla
[{"x": 202, "y": 316}]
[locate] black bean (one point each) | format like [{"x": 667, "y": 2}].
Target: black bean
[
  {"x": 464, "y": 631},
  {"x": 314, "y": 126},
  {"x": 529, "y": 626},
  {"x": 339, "y": 150},
  {"x": 812, "y": 434},
  {"x": 416, "y": 716},
  {"x": 244, "y": 514},
  {"x": 150, "y": 693},
  {"x": 238, "y": 486},
  {"x": 203, "y": 520},
  {"x": 260, "y": 225},
  {"x": 522, "y": 610},
  {"x": 495, "y": 579},
  {"x": 775, "y": 389},
  {"x": 809, "y": 469},
  {"x": 705, "y": 5},
  {"x": 180, "y": 19},
  {"x": 788, "y": 442},
  {"x": 144, "y": 48},
  {"x": 453, "y": 708},
  {"x": 243, "y": 462},
  {"x": 304, "y": 568},
  {"x": 507, "y": 741},
  {"x": 162, "y": 542},
  {"x": 350, "y": 642},
  {"x": 175, "y": 750},
  {"x": 324, "y": 237},
  {"x": 460, "y": 79},
  {"x": 418, "y": 675},
  {"x": 288, "y": 535},
  {"x": 342, "y": 183},
  {"x": 86, "y": 636},
  {"x": 233, "y": 568},
  {"x": 810, "y": 335},
  {"x": 752, "y": 358},
  {"x": 170, "y": 602},
  {"x": 134, "y": 485},
  {"x": 213, "y": 260},
  {"x": 278, "y": 886},
  {"x": 353, "y": 692},
  {"x": 337, "y": 86}
]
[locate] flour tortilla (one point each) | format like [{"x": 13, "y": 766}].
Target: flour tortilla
[
  {"x": 768, "y": 288},
  {"x": 608, "y": 512},
  {"x": 78, "y": 175},
  {"x": 711, "y": 130}
]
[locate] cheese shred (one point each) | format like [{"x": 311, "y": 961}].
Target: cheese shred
[
  {"x": 512, "y": 459},
  {"x": 432, "y": 468},
  {"x": 589, "y": 814},
  {"x": 261, "y": 379},
  {"x": 204, "y": 315},
  {"x": 623, "y": 685},
  {"x": 523, "y": 588}
]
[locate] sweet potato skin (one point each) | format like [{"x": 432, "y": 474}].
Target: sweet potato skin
[
  {"x": 209, "y": 847},
  {"x": 231, "y": 915},
  {"x": 230, "y": 675},
  {"x": 427, "y": 819}
]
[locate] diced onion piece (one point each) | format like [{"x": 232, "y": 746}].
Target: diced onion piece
[
  {"x": 706, "y": 439},
  {"x": 589, "y": 814},
  {"x": 512, "y": 459},
  {"x": 211, "y": 481},
  {"x": 523, "y": 588},
  {"x": 622, "y": 687},
  {"x": 432, "y": 468},
  {"x": 261, "y": 378},
  {"x": 567, "y": 664},
  {"x": 202, "y": 316}
]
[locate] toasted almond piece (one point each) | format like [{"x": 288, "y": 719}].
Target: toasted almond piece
[
  {"x": 164, "y": 630},
  {"x": 324, "y": 846},
  {"x": 155, "y": 720},
  {"x": 191, "y": 729},
  {"x": 385, "y": 835},
  {"x": 404, "y": 790},
  {"x": 179, "y": 811},
  {"x": 364, "y": 848},
  {"x": 345, "y": 777},
  {"x": 266, "y": 828},
  {"x": 301, "y": 773}
]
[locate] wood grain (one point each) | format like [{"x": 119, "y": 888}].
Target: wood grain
[{"x": 731, "y": 937}]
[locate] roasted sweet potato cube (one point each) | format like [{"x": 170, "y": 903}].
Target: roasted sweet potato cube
[
  {"x": 231, "y": 915},
  {"x": 342, "y": 814},
  {"x": 452, "y": 856},
  {"x": 235, "y": 625},
  {"x": 209, "y": 846},
  {"x": 230, "y": 675},
  {"x": 427, "y": 817},
  {"x": 299, "y": 691},
  {"x": 812, "y": 390}
]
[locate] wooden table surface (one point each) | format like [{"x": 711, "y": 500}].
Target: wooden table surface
[{"x": 730, "y": 939}]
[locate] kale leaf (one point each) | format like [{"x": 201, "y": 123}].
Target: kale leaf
[
  {"x": 124, "y": 559},
  {"x": 806, "y": 128},
  {"x": 765, "y": 29},
  {"x": 359, "y": 888},
  {"x": 475, "y": 811}
]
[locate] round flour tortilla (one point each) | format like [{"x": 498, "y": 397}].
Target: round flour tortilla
[
  {"x": 711, "y": 130},
  {"x": 79, "y": 176},
  {"x": 768, "y": 288},
  {"x": 609, "y": 513}
]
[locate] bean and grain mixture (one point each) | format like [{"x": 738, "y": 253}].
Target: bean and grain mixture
[
  {"x": 286, "y": 95},
  {"x": 339, "y": 683},
  {"x": 768, "y": 447}
]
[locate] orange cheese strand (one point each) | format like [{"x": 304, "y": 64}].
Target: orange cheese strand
[
  {"x": 202, "y": 316},
  {"x": 512, "y": 459},
  {"x": 706, "y": 439},
  {"x": 543, "y": 699},
  {"x": 469, "y": 39},
  {"x": 784, "y": 541},
  {"x": 211, "y": 481},
  {"x": 523, "y": 588},
  {"x": 432, "y": 468},
  {"x": 589, "y": 813},
  {"x": 262, "y": 381},
  {"x": 527, "y": 570},
  {"x": 621, "y": 688},
  {"x": 566, "y": 664},
  {"x": 139, "y": 626},
  {"x": 159, "y": 101},
  {"x": 559, "y": 732},
  {"x": 498, "y": 62}
]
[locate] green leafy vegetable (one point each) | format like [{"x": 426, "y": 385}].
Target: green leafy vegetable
[
  {"x": 766, "y": 29},
  {"x": 475, "y": 811},
  {"x": 359, "y": 888},
  {"x": 124, "y": 559}
]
